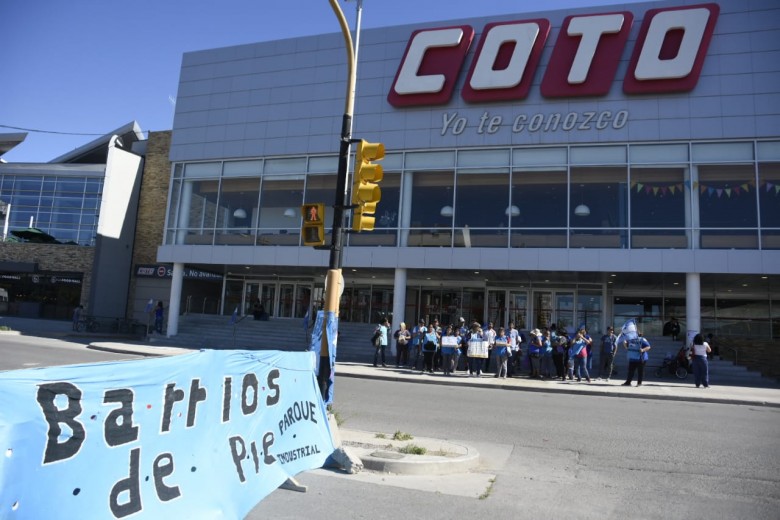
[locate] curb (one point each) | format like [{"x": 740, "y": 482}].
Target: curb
[
  {"x": 569, "y": 391},
  {"x": 381, "y": 454}
]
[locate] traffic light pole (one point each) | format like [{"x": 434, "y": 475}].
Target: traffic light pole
[{"x": 333, "y": 279}]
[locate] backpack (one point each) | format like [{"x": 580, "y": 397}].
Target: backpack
[{"x": 376, "y": 338}]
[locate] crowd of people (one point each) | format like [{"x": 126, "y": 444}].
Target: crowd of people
[
  {"x": 476, "y": 350},
  {"x": 547, "y": 353}
]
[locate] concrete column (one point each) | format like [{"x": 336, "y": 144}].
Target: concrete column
[
  {"x": 405, "y": 218},
  {"x": 185, "y": 201},
  {"x": 692, "y": 304},
  {"x": 174, "y": 307},
  {"x": 399, "y": 302}
]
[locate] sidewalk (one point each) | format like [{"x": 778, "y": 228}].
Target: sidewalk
[{"x": 668, "y": 389}]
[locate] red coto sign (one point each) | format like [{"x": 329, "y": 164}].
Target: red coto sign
[{"x": 667, "y": 57}]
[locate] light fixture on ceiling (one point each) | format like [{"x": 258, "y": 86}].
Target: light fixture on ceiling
[
  {"x": 582, "y": 210},
  {"x": 289, "y": 213},
  {"x": 513, "y": 211},
  {"x": 446, "y": 211},
  {"x": 239, "y": 213}
]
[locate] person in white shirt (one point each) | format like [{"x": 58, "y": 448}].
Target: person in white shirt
[{"x": 701, "y": 371}]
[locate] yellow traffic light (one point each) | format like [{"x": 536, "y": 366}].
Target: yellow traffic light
[
  {"x": 365, "y": 188},
  {"x": 313, "y": 227}
]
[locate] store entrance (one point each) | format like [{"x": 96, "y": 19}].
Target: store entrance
[
  {"x": 553, "y": 307},
  {"x": 274, "y": 299}
]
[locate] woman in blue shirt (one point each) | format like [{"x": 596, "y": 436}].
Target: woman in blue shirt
[
  {"x": 502, "y": 351},
  {"x": 579, "y": 353}
]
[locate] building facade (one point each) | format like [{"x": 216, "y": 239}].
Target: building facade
[
  {"x": 585, "y": 166},
  {"x": 67, "y": 226}
]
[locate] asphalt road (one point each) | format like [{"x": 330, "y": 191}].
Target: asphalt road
[
  {"x": 556, "y": 456},
  {"x": 18, "y": 352}
]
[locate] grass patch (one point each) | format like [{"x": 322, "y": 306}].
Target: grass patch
[
  {"x": 488, "y": 490},
  {"x": 5, "y": 328},
  {"x": 336, "y": 415},
  {"x": 412, "y": 449},
  {"x": 401, "y": 436},
  {"x": 381, "y": 436}
]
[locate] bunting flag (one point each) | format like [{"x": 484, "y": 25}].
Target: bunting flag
[{"x": 665, "y": 190}]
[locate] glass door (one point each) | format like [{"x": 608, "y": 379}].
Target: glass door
[
  {"x": 497, "y": 307},
  {"x": 543, "y": 309},
  {"x": 251, "y": 294},
  {"x": 286, "y": 300},
  {"x": 302, "y": 300},
  {"x": 564, "y": 311},
  {"x": 518, "y": 308}
]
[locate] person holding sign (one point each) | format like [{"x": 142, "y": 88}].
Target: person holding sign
[
  {"x": 449, "y": 350},
  {"x": 478, "y": 350},
  {"x": 502, "y": 352}
]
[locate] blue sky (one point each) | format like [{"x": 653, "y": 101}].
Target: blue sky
[{"x": 90, "y": 66}]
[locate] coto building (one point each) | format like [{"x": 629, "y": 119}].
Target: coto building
[{"x": 580, "y": 166}]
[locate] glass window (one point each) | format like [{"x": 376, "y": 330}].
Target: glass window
[
  {"x": 658, "y": 201},
  {"x": 68, "y": 203},
  {"x": 657, "y": 197},
  {"x": 280, "y": 201},
  {"x": 237, "y": 206},
  {"x": 483, "y": 158},
  {"x": 387, "y": 216},
  {"x": 769, "y": 204},
  {"x": 534, "y": 157},
  {"x": 94, "y": 186},
  {"x": 28, "y": 184},
  {"x": 432, "y": 199},
  {"x": 291, "y": 165},
  {"x": 538, "y": 206},
  {"x": 746, "y": 318},
  {"x": 199, "y": 206},
  {"x": 66, "y": 187},
  {"x": 324, "y": 164},
  {"x": 769, "y": 194},
  {"x": 722, "y": 152},
  {"x": 482, "y": 198},
  {"x": 432, "y": 208},
  {"x": 726, "y": 197},
  {"x": 598, "y": 155},
  {"x": 202, "y": 170},
  {"x": 430, "y": 160},
  {"x": 658, "y": 153},
  {"x": 598, "y": 197},
  {"x": 243, "y": 169}
]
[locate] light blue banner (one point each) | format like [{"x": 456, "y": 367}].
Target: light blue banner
[
  {"x": 197, "y": 436},
  {"x": 330, "y": 322}
]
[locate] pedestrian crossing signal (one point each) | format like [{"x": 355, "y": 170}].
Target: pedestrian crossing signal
[{"x": 313, "y": 227}]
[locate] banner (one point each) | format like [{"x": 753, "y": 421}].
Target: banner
[
  {"x": 477, "y": 348},
  {"x": 329, "y": 322},
  {"x": 201, "y": 435},
  {"x": 627, "y": 332}
]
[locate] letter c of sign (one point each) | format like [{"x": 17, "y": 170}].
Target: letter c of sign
[{"x": 430, "y": 66}]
